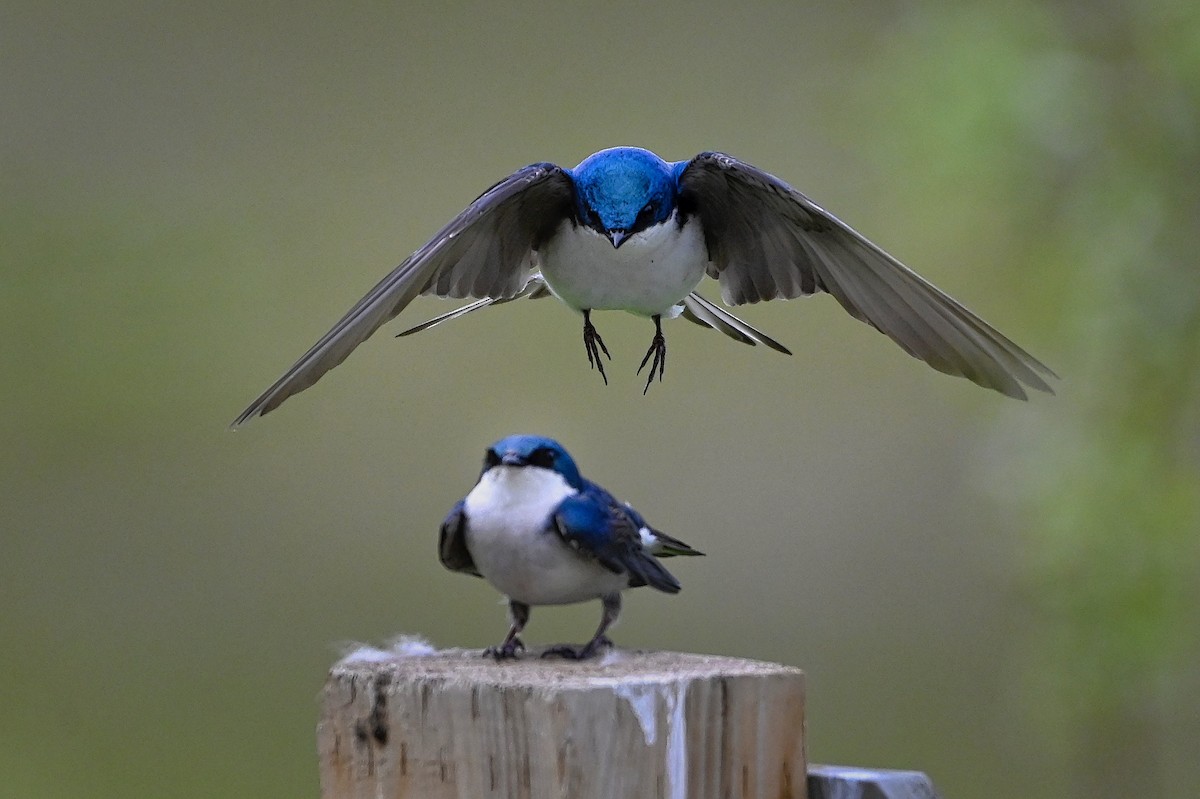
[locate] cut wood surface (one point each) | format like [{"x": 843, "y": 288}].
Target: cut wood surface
[{"x": 414, "y": 722}]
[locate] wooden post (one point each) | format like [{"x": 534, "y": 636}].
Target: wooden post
[{"x": 414, "y": 722}]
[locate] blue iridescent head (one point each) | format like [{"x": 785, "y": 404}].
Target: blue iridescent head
[
  {"x": 622, "y": 191},
  {"x": 536, "y": 451}
]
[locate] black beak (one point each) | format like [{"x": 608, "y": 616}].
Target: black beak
[
  {"x": 512, "y": 459},
  {"x": 617, "y": 237}
]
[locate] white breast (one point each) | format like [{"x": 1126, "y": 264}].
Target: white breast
[
  {"x": 648, "y": 274},
  {"x": 508, "y": 538}
]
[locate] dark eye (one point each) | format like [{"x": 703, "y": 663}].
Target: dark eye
[
  {"x": 491, "y": 459},
  {"x": 542, "y": 457},
  {"x": 645, "y": 216}
]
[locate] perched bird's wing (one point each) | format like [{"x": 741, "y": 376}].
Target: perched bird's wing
[
  {"x": 485, "y": 251},
  {"x": 661, "y": 545},
  {"x": 452, "y": 543},
  {"x": 535, "y": 289},
  {"x": 600, "y": 529},
  {"x": 655, "y": 542},
  {"x": 767, "y": 240},
  {"x": 702, "y": 312}
]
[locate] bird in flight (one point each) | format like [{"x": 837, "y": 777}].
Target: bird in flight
[
  {"x": 625, "y": 230},
  {"x": 542, "y": 534}
]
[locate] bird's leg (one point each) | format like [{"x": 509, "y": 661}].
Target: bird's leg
[
  {"x": 612, "y": 609},
  {"x": 658, "y": 348},
  {"x": 594, "y": 345},
  {"x": 511, "y": 644}
]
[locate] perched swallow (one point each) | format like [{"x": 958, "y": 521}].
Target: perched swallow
[
  {"x": 542, "y": 534},
  {"x": 628, "y": 231}
]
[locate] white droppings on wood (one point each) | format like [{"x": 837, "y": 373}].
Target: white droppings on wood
[
  {"x": 677, "y": 762},
  {"x": 643, "y": 701}
]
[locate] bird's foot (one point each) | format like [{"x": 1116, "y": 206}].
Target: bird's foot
[
  {"x": 506, "y": 651},
  {"x": 658, "y": 349},
  {"x": 594, "y": 346},
  {"x": 584, "y": 652}
]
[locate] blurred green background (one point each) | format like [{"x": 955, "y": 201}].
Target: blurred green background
[{"x": 1001, "y": 594}]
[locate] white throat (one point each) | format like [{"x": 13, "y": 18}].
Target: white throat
[
  {"x": 513, "y": 496},
  {"x": 649, "y": 274}
]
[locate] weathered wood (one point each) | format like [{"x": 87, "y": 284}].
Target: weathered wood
[
  {"x": 845, "y": 782},
  {"x": 630, "y": 724}
]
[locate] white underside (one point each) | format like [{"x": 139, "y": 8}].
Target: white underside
[
  {"x": 513, "y": 549},
  {"x": 649, "y": 274}
]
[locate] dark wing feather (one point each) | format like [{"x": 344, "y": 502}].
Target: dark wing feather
[
  {"x": 704, "y": 313},
  {"x": 534, "y": 289},
  {"x": 597, "y": 527},
  {"x": 666, "y": 546},
  {"x": 485, "y": 251},
  {"x": 452, "y": 543},
  {"x": 766, "y": 240}
]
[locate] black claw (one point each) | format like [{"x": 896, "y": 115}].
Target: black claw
[
  {"x": 506, "y": 651},
  {"x": 595, "y": 645},
  {"x": 658, "y": 348},
  {"x": 594, "y": 346},
  {"x": 584, "y": 652}
]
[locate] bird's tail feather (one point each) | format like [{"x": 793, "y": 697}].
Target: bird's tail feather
[
  {"x": 706, "y": 314},
  {"x": 645, "y": 570}
]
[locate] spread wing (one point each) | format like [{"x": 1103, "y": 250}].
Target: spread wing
[
  {"x": 596, "y": 526},
  {"x": 486, "y": 251},
  {"x": 767, "y": 240},
  {"x": 534, "y": 289},
  {"x": 452, "y": 543}
]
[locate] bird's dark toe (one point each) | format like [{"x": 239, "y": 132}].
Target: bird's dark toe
[
  {"x": 657, "y": 352},
  {"x": 565, "y": 651},
  {"x": 593, "y": 344},
  {"x": 505, "y": 651},
  {"x": 571, "y": 652}
]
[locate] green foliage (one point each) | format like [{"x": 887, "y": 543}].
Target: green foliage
[{"x": 1101, "y": 111}]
